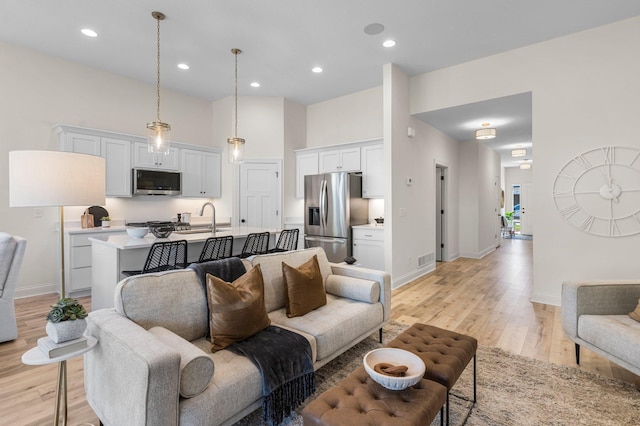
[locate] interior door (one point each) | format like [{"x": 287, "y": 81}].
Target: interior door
[
  {"x": 260, "y": 194},
  {"x": 439, "y": 214},
  {"x": 526, "y": 223}
]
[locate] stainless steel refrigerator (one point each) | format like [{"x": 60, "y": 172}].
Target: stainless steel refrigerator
[{"x": 333, "y": 203}]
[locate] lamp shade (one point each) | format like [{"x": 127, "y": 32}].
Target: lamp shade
[
  {"x": 485, "y": 133},
  {"x": 55, "y": 178},
  {"x": 518, "y": 152}
]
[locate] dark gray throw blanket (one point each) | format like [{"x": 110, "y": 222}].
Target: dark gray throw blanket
[
  {"x": 284, "y": 360},
  {"x": 229, "y": 269}
]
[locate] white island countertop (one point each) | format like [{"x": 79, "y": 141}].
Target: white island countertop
[{"x": 125, "y": 242}]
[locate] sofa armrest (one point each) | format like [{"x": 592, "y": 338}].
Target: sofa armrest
[
  {"x": 613, "y": 297},
  {"x": 130, "y": 377},
  {"x": 381, "y": 277}
]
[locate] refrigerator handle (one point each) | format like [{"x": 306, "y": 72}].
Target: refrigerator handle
[
  {"x": 323, "y": 203},
  {"x": 327, "y": 240}
]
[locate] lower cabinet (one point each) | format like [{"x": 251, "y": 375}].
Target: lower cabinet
[
  {"x": 368, "y": 247},
  {"x": 77, "y": 259}
]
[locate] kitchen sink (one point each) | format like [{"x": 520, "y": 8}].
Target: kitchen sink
[{"x": 201, "y": 230}]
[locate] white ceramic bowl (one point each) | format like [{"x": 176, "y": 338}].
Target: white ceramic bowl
[
  {"x": 396, "y": 357},
  {"x": 137, "y": 232}
]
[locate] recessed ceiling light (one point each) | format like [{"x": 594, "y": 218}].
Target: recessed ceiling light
[
  {"x": 317, "y": 69},
  {"x": 255, "y": 84},
  {"x": 88, "y": 32},
  {"x": 183, "y": 66},
  {"x": 389, "y": 43}
]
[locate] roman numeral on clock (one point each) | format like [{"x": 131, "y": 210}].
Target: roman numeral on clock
[{"x": 570, "y": 210}]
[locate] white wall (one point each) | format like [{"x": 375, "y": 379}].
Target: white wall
[
  {"x": 295, "y": 136},
  {"x": 585, "y": 95},
  {"x": 350, "y": 118},
  {"x": 40, "y": 91}
]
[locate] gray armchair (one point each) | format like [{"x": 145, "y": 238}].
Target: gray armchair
[
  {"x": 11, "y": 254},
  {"x": 595, "y": 315}
]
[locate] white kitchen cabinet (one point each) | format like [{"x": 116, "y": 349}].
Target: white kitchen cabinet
[
  {"x": 372, "y": 158},
  {"x": 143, "y": 159},
  {"x": 340, "y": 160},
  {"x": 306, "y": 164},
  {"x": 368, "y": 247},
  {"x": 117, "y": 154},
  {"x": 80, "y": 143},
  {"x": 201, "y": 173},
  {"x": 115, "y": 151},
  {"x": 77, "y": 259}
]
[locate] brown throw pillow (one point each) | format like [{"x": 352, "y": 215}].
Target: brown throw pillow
[
  {"x": 304, "y": 289},
  {"x": 636, "y": 313},
  {"x": 236, "y": 310}
]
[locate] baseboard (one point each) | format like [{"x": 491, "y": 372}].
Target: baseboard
[
  {"x": 408, "y": 277},
  {"x": 35, "y": 290},
  {"x": 478, "y": 255}
]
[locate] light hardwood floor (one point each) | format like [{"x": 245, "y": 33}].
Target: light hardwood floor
[{"x": 487, "y": 298}]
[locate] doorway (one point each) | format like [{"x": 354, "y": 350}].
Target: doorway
[
  {"x": 522, "y": 224},
  {"x": 260, "y": 194}
]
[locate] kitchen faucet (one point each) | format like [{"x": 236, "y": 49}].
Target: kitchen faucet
[{"x": 213, "y": 218}]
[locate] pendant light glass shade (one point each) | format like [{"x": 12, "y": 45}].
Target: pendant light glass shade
[
  {"x": 236, "y": 144},
  {"x": 158, "y": 133}
]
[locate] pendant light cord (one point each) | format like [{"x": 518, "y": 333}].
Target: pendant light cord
[
  {"x": 235, "y": 131},
  {"x": 158, "y": 69}
]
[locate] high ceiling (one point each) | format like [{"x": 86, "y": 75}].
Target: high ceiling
[{"x": 282, "y": 40}]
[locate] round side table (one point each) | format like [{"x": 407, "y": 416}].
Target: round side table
[{"x": 35, "y": 356}]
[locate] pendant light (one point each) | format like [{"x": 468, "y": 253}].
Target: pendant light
[
  {"x": 236, "y": 144},
  {"x": 158, "y": 133},
  {"x": 485, "y": 132}
]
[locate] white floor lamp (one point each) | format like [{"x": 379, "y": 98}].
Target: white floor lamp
[{"x": 56, "y": 178}]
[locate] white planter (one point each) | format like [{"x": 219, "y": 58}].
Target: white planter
[
  {"x": 106, "y": 223},
  {"x": 66, "y": 330}
]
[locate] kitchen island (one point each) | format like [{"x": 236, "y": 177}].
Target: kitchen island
[{"x": 112, "y": 254}]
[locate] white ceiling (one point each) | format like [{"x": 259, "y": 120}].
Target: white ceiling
[{"x": 282, "y": 40}]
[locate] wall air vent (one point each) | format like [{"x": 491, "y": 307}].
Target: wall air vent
[{"x": 425, "y": 259}]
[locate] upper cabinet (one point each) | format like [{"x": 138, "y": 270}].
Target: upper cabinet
[
  {"x": 200, "y": 166},
  {"x": 340, "y": 160},
  {"x": 372, "y": 159},
  {"x": 200, "y": 173},
  {"x": 366, "y": 157},
  {"x": 306, "y": 164},
  {"x": 143, "y": 159},
  {"x": 115, "y": 151}
]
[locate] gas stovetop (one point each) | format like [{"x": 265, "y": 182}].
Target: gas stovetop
[{"x": 177, "y": 226}]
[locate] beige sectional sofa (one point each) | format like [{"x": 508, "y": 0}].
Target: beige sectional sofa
[{"x": 133, "y": 376}]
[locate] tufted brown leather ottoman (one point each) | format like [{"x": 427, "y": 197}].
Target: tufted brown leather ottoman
[
  {"x": 357, "y": 400},
  {"x": 445, "y": 353}
]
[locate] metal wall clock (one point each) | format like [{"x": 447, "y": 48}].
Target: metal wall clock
[{"x": 599, "y": 191}]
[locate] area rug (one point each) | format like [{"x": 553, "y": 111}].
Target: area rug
[{"x": 512, "y": 390}]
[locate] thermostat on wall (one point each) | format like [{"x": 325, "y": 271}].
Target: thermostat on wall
[{"x": 409, "y": 181}]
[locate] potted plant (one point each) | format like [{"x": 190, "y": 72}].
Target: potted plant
[
  {"x": 66, "y": 320},
  {"x": 106, "y": 221},
  {"x": 509, "y": 217}
]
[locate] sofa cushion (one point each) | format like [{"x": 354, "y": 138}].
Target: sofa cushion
[
  {"x": 613, "y": 334},
  {"x": 334, "y": 325},
  {"x": 174, "y": 300},
  {"x": 236, "y": 385},
  {"x": 236, "y": 310},
  {"x": 353, "y": 288},
  {"x": 304, "y": 288},
  {"x": 272, "y": 272},
  {"x": 196, "y": 367}
]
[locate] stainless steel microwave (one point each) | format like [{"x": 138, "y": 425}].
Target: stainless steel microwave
[{"x": 156, "y": 182}]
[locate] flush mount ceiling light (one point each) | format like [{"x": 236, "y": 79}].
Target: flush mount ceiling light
[
  {"x": 183, "y": 66},
  {"x": 485, "y": 132},
  {"x": 317, "y": 69},
  {"x": 525, "y": 166},
  {"x": 236, "y": 144},
  {"x": 389, "y": 43},
  {"x": 255, "y": 84},
  {"x": 518, "y": 152},
  {"x": 158, "y": 133}
]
